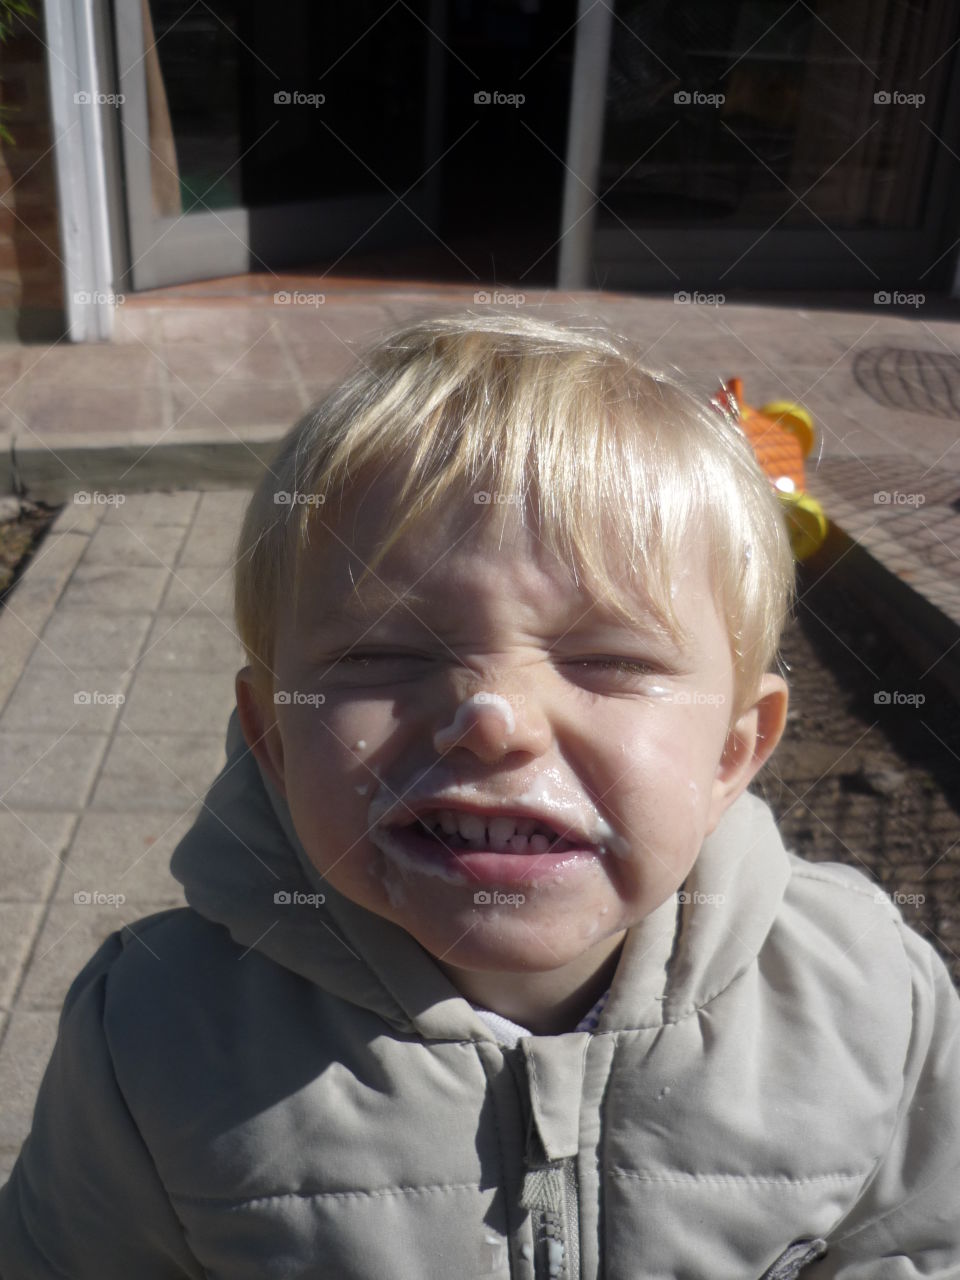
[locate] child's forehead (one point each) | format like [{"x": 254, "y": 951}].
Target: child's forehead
[
  {"x": 476, "y": 562},
  {"x": 446, "y": 561}
]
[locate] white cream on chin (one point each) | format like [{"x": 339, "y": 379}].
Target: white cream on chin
[{"x": 388, "y": 844}]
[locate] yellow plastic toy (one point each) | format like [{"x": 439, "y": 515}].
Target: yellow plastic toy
[{"x": 782, "y": 434}]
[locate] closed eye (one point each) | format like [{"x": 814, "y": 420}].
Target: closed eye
[
  {"x": 618, "y": 664},
  {"x": 362, "y": 659},
  {"x": 366, "y": 661}
]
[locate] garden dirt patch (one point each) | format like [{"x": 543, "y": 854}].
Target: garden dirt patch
[
  {"x": 22, "y": 526},
  {"x": 867, "y": 771}
]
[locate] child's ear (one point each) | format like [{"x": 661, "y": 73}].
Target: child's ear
[
  {"x": 750, "y": 742},
  {"x": 259, "y": 724}
]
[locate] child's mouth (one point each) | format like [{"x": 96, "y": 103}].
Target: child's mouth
[
  {"x": 496, "y": 835},
  {"x": 494, "y": 857}
]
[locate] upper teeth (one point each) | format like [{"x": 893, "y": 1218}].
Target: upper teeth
[{"x": 472, "y": 826}]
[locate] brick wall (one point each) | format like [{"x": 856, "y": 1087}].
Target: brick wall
[{"x": 31, "y": 276}]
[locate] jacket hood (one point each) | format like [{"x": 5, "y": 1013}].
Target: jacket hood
[{"x": 243, "y": 850}]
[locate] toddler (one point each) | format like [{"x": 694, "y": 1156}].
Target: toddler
[{"x": 493, "y": 965}]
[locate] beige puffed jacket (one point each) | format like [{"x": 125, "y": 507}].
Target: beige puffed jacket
[{"x": 249, "y": 1089}]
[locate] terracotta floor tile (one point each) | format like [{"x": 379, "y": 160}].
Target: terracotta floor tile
[
  {"x": 215, "y": 324},
  {"x": 201, "y": 366},
  {"x": 63, "y": 409},
  {"x": 227, "y": 407},
  {"x": 98, "y": 365}
]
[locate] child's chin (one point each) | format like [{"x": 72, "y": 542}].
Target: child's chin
[{"x": 505, "y": 939}]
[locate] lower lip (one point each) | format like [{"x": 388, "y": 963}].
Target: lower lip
[{"x": 487, "y": 866}]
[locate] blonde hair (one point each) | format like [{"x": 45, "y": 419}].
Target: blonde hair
[{"x": 533, "y": 409}]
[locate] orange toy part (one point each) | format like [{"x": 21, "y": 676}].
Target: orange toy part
[
  {"x": 781, "y": 435},
  {"x": 779, "y": 450}
]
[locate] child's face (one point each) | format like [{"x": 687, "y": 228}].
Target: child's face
[{"x": 642, "y": 761}]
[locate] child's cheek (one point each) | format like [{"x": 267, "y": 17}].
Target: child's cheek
[
  {"x": 330, "y": 756},
  {"x": 663, "y": 794}
]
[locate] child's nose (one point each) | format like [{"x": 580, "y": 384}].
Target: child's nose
[{"x": 492, "y": 725}]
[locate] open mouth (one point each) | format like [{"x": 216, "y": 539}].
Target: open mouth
[
  {"x": 483, "y": 849},
  {"x": 472, "y": 832}
]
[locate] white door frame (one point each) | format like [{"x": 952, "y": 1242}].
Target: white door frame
[
  {"x": 80, "y": 78},
  {"x": 584, "y": 142}
]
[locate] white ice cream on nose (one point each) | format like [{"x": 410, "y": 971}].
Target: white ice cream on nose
[{"x": 451, "y": 733}]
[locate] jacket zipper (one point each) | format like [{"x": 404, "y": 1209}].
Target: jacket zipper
[
  {"x": 553, "y": 1240},
  {"x": 550, "y": 1195}
]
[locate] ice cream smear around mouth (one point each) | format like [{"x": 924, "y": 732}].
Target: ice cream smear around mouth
[{"x": 549, "y": 793}]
